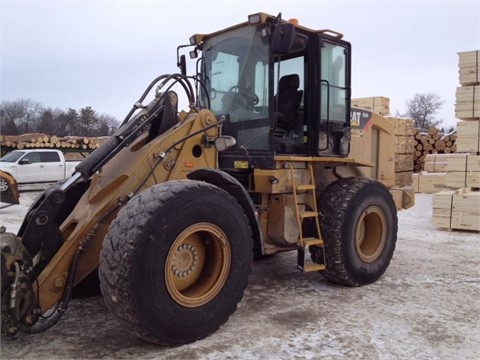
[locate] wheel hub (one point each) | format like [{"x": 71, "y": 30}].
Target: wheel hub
[
  {"x": 371, "y": 234},
  {"x": 184, "y": 260},
  {"x": 197, "y": 265}
]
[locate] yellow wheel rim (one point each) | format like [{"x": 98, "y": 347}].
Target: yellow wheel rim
[
  {"x": 197, "y": 265},
  {"x": 371, "y": 234}
]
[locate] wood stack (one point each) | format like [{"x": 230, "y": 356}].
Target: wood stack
[
  {"x": 404, "y": 150},
  {"x": 378, "y": 104},
  {"x": 429, "y": 183},
  {"x": 36, "y": 141},
  {"x": 467, "y": 106},
  {"x": 469, "y": 67},
  {"x": 460, "y": 209},
  {"x": 457, "y": 209},
  {"x": 463, "y": 171},
  {"x": 432, "y": 142}
]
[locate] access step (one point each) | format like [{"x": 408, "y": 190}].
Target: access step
[{"x": 304, "y": 262}]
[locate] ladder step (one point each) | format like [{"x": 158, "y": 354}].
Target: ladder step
[
  {"x": 305, "y": 187},
  {"x": 308, "y": 214},
  {"x": 311, "y": 267},
  {"x": 312, "y": 242}
]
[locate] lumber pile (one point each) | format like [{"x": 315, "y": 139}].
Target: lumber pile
[
  {"x": 449, "y": 171},
  {"x": 463, "y": 171},
  {"x": 460, "y": 208},
  {"x": 467, "y": 106},
  {"x": 469, "y": 67},
  {"x": 35, "y": 141},
  {"x": 432, "y": 142},
  {"x": 468, "y": 136},
  {"x": 429, "y": 183},
  {"x": 378, "y": 104},
  {"x": 457, "y": 209},
  {"x": 404, "y": 150}
]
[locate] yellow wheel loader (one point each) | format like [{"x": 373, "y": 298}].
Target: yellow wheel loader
[{"x": 174, "y": 207}]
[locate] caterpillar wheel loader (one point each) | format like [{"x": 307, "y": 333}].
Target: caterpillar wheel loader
[{"x": 175, "y": 206}]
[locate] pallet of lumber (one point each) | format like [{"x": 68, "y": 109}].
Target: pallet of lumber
[
  {"x": 469, "y": 67},
  {"x": 404, "y": 149},
  {"x": 447, "y": 162},
  {"x": 428, "y": 183},
  {"x": 468, "y": 137},
  {"x": 467, "y": 106},
  {"x": 458, "y": 179},
  {"x": 463, "y": 171},
  {"x": 378, "y": 104},
  {"x": 457, "y": 209}
]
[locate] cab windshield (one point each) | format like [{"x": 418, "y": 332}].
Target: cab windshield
[
  {"x": 235, "y": 74},
  {"x": 12, "y": 157}
]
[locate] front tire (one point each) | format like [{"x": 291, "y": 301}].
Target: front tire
[
  {"x": 359, "y": 226},
  {"x": 176, "y": 261}
]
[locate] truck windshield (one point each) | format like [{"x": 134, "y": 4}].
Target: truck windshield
[
  {"x": 12, "y": 157},
  {"x": 235, "y": 74}
]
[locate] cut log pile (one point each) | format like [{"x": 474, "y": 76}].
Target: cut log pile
[
  {"x": 432, "y": 142},
  {"x": 460, "y": 208},
  {"x": 35, "y": 141}
]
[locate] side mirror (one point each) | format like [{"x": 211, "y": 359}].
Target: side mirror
[
  {"x": 182, "y": 64},
  {"x": 224, "y": 142},
  {"x": 24, "y": 162},
  {"x": 282, "y": 38}
]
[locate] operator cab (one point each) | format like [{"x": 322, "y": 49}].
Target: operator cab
[{"x": 284, "y": 88}]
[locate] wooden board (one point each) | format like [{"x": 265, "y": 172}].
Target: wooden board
[
  {"x": 467, "y": 106},
  {"x": 468, "y": 137},
  {"x": 469, "y": 67},
  {"x": 459, "y": 209},
  {"x": 378, "y": 104}
]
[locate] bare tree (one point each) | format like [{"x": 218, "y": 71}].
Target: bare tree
[
  {"x": 423, "y": 108},
  {"x": 25, "y": 115}
]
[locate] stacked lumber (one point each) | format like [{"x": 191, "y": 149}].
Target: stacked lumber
[
  {"x": 36, "y": 141},
  {"x": 378, "y": 104},
  {"x": 469, "y": 67},
  {"x": 468, "y": 137},
  {"x": 467, "y": 106},
  {"x": 404, "y": 150},
  {"x": 457, "y": 209},
  {"x": 463, "y": 171},
  {"x": 429, "y": 183},
  {"x": 432, "y": 142},
  {"x": 460, "y": 208},
  {"x": 444, "y": 162}
]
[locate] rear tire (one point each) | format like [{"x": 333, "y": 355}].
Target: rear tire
[
  {"x": 359, "y": 227},
  {"x": 176, "y": 261}
]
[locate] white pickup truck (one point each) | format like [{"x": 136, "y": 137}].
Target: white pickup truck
[{"x": 37, "y": 165}]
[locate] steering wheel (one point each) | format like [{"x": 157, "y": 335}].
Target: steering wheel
[{"x": 249, "y": 95}]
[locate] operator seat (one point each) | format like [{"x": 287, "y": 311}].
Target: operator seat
[{"x": 288, "y": 100}]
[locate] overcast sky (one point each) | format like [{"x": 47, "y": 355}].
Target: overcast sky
[{"x": 104, "y": 53}]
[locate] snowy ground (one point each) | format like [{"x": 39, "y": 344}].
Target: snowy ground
[{"x": 426, "y": 306}]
